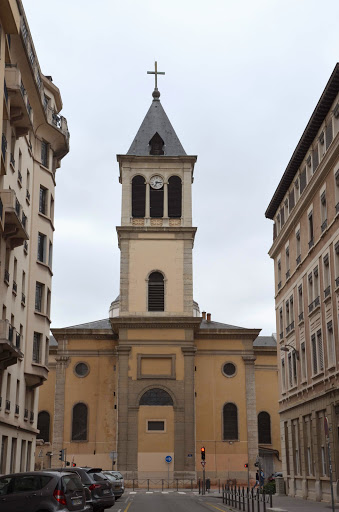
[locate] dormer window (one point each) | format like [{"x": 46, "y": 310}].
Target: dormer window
[{"x": 156, "y": 145}]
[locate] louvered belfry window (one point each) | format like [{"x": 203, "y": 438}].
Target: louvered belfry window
[
  {"x": 156, "y": 292},
  {"x": 43, "y": 426},
  {"x": 138, "y": 197},
  {"x": 174, "y": 197},
  {"x": 230, "y": 416},
  {"x": 264, "y": 428},
  {"x": 157, "y": 202},
  {"x": 79, "y": 422},
  {"x": 156, "y": 145}
]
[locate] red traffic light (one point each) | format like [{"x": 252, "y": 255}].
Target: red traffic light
[
  {"x": 202, "y": 450},
  {"x": 245, "y": 465},
  {"x": 73, "y": 464}
]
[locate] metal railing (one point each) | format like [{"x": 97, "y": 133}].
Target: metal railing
[
  {"x": 15, "y": 287},
  {"x": 162, "y": 484},
  {"x": 6, "y": 276},
  {"x": 8, "y": 405},
  {"x": 3, "y": 146},
  {"x": 298, "y": 259},
  {"x": 290, "y": 327},
  {"x": 12, "y": 161},
  {"x": 324, "y": 226},
  {"x": 311, "y": 243},
  {"x": 246, "y": 499},
  {"x": 301, "y": 316},
  {"x": 327, "y": 291}
]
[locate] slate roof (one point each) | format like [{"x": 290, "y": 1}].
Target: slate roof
[
  {"x": 97, "y": 324},
  {"x": 52, "y": 341},
  {"x": 265, "y": 341},
  {"x": 156, "y": 120},
  {"x": 217, "y": 325}
]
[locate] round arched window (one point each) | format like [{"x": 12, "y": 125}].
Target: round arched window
[
  {"x": 229, "y": 369},
  {"x": 81, "y": 369}
]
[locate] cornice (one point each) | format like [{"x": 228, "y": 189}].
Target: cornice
[
  {"x": 76, "y": 333},
  {"x": 166, "y": 322},
  {"x": 228, "y": 334},
  {"x": 185, "y": 232},
  {"x": 156, "y": 159}
]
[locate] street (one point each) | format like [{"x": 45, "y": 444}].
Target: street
[{"x": 167, "y": 501}]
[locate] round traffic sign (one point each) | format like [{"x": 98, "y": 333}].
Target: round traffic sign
[{"x": 168, "y": 459}]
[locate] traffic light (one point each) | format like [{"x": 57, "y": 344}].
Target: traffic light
[
  {"x": 246, "y": 466},
  {"x": 68, "y": 463},
  {"x": 73, "y": 464},
  {"x": 203, "y": 453},
  {"x": 256, "y": 464},
  {"x": 62, "y": 455}
]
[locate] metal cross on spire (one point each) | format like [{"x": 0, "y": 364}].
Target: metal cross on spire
[{"x": 156, "y": 73}]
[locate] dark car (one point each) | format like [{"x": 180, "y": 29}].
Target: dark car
[
  {"x": 115, "y": 483},
  {"x": 42, "y": 491},
  {"x": 100, "y": 487}
]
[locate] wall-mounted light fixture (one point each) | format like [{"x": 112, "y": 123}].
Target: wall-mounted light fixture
[{"x": 286, "y": 348}]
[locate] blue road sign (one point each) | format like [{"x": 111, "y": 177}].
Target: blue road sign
[{"x": 168, "y": 459}]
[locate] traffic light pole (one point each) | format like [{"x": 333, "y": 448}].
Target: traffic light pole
[{"x": 203, "y": 481}]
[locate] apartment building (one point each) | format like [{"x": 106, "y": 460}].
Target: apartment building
[
  {"x": 34, "y": 140},
  {"x": 305, "y": 250}
]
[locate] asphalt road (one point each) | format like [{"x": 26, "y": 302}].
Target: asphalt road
[{"x": 158, "y": 501}]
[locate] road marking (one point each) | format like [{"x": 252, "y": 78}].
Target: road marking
[
  {"x": 149, "y": 492},
  {"x": 130, "y": 505},
  {"x": 179, "y": 492},
  {"x": 164, "y": 492},
  {"x": 132, "y": 492},
  {"x": 222, "y": 509}
]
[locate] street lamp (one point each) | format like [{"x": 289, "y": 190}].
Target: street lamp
[{"x": 287, "y": 347}]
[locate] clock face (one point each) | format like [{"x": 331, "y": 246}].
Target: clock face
[{"x": 156, "y": 182}]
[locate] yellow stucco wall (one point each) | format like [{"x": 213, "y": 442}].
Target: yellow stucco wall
[{"x": 153, "y": 447}]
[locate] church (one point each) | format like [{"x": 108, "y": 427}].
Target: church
[{"x": 146, "y": 388}]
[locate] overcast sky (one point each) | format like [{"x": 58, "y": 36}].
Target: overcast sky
[{"x": 242, "y": 80}]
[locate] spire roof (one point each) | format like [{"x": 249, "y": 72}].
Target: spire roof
[{"x": 156, "y": 121}]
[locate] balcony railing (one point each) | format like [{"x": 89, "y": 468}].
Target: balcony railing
[
  {"x": 327, "y": 291},
  {"x": 288, "y": 274},
  {"x": 26, "y": 414},
  {"x": 3, "y": 146},
  {"x": 281, "y": 335},
  {"x": 298, "y": 260},
  {"x": 8, "y": 405},
  {"x": 290, "y": 327},
  {"x": 6, "y": 276},
  {"x": 28, "y": 195},
  {"x": 18, "y": 340},
  {"x": 20, "y": 177},
  {"x": 324, "y": 226},
  {"x": 337, "y": 208},
  {"x": 15, "y": 287},
  {"x": 56, "y": 119},
  {"x": 17, "y": 409},
  {"x": 23, "y": 299},
  {"x": 31, "y": 416},
  {"x": 301, "y": 316},
  {"x": 316, "y": 301},
  {"x": 314, "y": 304},
  {"x": 12, "y": 161},
  {"x": 279, "y": 285},
  {"x": 311, "y": 243}
]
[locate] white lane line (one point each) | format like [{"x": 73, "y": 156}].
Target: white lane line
[
  {"x": 179, "y": 492},
  {"x": 164, "y": 492},
  {"x": 149, "y": 492},
  {"x": 119, "y": 510},
  {"x": 132, "y": 492}
]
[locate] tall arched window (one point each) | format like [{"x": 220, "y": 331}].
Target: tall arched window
[
  {"x": 138, "y": 197},
  {"x": 79, "y": 422},
  {"x": 230, "y": 417},
  {"x": 264, "y": 428},
  {"x": 156, "y": 292},
  {"x": 174, "y": 197},
  {"x": 44, "y": 421},
  {"x": 156, "y": 396},
  {"x": 157, "y": 202}
]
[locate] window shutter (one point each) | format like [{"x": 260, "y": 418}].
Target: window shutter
[
  {"x": 315, "y": 158},
  {"x": 174, "y": 197},
  {"x": 329, "y": 133},
  {"x": 156, "y": 291},
  {"x": 291, "y": 200},
  {"x": 138, "y": 197},
  {"x": 230, "y": 414},
  {"x": 302, "y": 180}
]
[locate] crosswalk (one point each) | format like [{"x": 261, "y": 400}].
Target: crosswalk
[{"x": 143, "y": 491}]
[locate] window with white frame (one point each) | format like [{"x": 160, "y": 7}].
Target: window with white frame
[
  {"x": 296, "y": 446},
  {"x": 330, "y": 345}
]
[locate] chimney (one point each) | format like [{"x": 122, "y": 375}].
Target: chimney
[
  {"x": 208, "y": 317},
  {"x": 204, "y": 315}
]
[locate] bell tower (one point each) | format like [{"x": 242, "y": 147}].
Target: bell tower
[{"x": 156, "y": 234}]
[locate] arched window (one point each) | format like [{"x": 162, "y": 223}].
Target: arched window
[
  {"x": 44, "y": 421},
  {"x": 264, "y": 428},
  {"x": 138, "y": 197},
  {"x": 79, "y": 422},
  {"x": 156, "y": 145},
  {"x": 230, "y": 417},
  {"x": 156, "y": 292},
  {"x": 174, "y": 197},
  {"x": 157, "y": 202},
  {"x": 156, "y": 396}
]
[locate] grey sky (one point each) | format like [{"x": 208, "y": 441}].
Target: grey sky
[{"x": 242, "y": 79}]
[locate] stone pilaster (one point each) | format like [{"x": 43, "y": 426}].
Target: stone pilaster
[
  {"x": 122, "y": 431},
  {"x": 251, "y": 409},
  {"x": 124, "y": 275},
  {"x": 62, "y": 363},
  {"x": 189, "y": 409}
]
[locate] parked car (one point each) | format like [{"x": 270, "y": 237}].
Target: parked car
[
  {"x": 42, "y": 491},
  {"x": 118, "y": 475},
  {"x": 100, "y": 487},
  {"x": 115, "y": 483}
]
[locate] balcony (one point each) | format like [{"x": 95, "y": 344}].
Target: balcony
[
  {"x": 290, "y": 328},
  {"x": 327, "y": 292},
  {"x": 288, "y": 274},
  {"x": 311, "y": 243},
  {"x": 8, "y": 406},
  {"x": 35, "y": 374},
  {"x": 21, "y": 115},
  {"x": 324, "y": 226},
  {"x": 298, "y": 260},
  {"x": 279, "y": 285},
  {"x": 314, "y": 305},
  {"x": 17, "y": 410},
  {"x": 301, "y": 316},
  {"x": 59, "y": 123},
  {"x": 9, "y": 351},
  {"x": 15, "y": 219},
  {"x": 3, "y": 169}
]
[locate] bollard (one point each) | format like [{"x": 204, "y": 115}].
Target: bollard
[
  {"x": 248, "y": 499},
  {"x": 191, "y": 485},
  {"x": 177, "y": 485},
  {"x": 148, "y": 484},
  {"x": 264, "y": 500},
  {"x": 252, "y": 499},
  {"x": 258, "y": 500},
  {"x": 133, "y": 484},
  {"x": 162, "y": 484},
  {"x": 271, "y": 501},
  {"x": 199, "y": 485}
]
